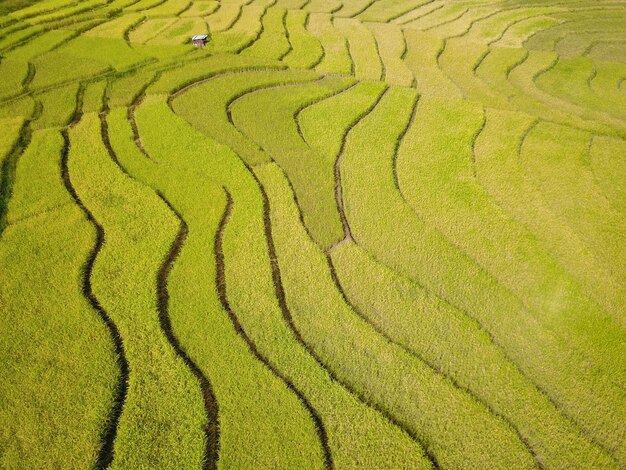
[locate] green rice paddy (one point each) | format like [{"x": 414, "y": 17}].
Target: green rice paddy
[{"x": 344, "y": 234}]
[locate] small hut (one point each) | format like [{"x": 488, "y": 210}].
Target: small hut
[{"x": 199, "y": 40}]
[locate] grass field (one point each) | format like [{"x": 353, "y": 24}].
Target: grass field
[{"x": 343, "y": 234}]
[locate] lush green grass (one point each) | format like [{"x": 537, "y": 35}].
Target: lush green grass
[
  {"x": 7, "y": 6},
  {"x": 14, "y": 137},
  {"x": 181, "y": 31},
  {"x": 324, "y": 129},
  {"x": 459, "y": 60},
  {"x": 343, "y": 234},
  {"x": 93, "y": 96},
  {"x": 392, "y": 48},
  {"x": 143, "y": 5},
  {"x": 68, "y": 12},
  {"x": 10, "y": 134},
  {"x": 41, "y": 158},
  {"x": 500, "y": 172},
  {"x": 13, "y": 72},
  {"x": 177, "y": 78},
  {"x": 40, "y": 45},
  {"x": 536, "y": 101},
  {"x": 246, "y": 429},
  {"x": 205, "y": 106},
  {"x": 150, "y": 29},
  {"x": 63, "y": 358},
  {"x": 160, "y": 425},
  {"x": 273, "y": 42},
  {"x": 493, "y": 70},
  {"x": 201, "y": 8},
  {"x": 385, "y": 10},
  {"x": 341, "y": 338},
  {"x": 311, "y": 177},
  {"x": 448, "y": 12},
  {"x": 285, "y": 436},
  {"x": 261, "y": 316},
  {"x": 421, "y": 59},
  {"x": 34, "y": 8},
  {"x": 336, "y": 59},
  {"x": 306, "y": 50},
  {"x": 491, "y": 28},
  {"x": 60, "y": 67},
  {"x": 605, "y": 83},
  {"x": 522, "y": 30},
  {"x": 60, "y": 350},
  {"x": 323, "y": 6},
  {"x": 124, "y": 89},
  {"x": 18, "y": 35},
  {"x": 599, "y": 225},
  {"x": 246, "y": 29},
  {"x": 415, "y": 15},
  {"x": 352, "y": 8},
  {"x": 167, "y": 8},
  {"x": 410, "y": 246},
  {"x": 291, "y": 4},
  {"x": 363, "y": 49},
  {"x": 455, "y": 345},
  {"x": 224, "y": 17},
  {"x": 606, "y": 51},
  {"x": 58, "y": 106},
  {"x": 569, "y": 79},
  {"x": 440, "y": 182},
  {"x": 116, "y": 27},
  {"x": 24, "y": 107},
  {"x": 608, "y": 170},
  {"x": 462, "y": 24}
]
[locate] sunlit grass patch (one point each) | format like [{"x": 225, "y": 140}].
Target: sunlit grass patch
[{"x": 328, "y": 234}]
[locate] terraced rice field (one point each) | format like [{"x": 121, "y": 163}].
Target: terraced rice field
[{"x": 343, "y": 234}]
